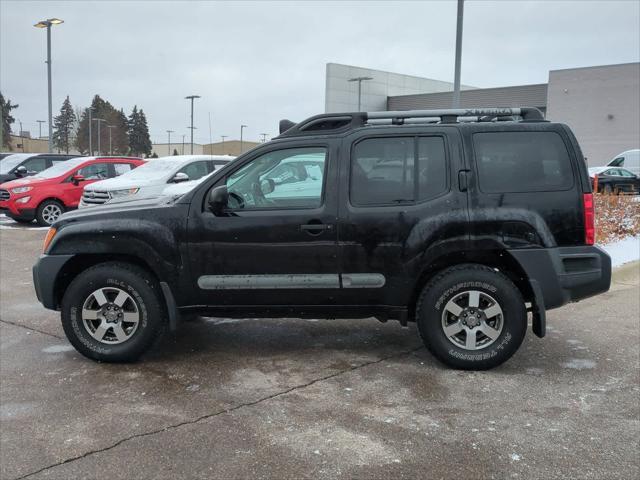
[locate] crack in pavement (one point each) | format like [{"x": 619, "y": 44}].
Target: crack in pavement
[
  {"x": 32, "y": 329},
  {"x": 218, "y": 413}
]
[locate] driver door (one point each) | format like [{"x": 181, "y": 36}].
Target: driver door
[{"x": 276, "y": 242}]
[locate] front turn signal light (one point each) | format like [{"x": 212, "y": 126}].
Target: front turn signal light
[{"x": 47, "y": 240}]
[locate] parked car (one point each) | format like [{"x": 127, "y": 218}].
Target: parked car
[
  {"x": 462, "y": 227},
  {"x": 151, "y": 179},
  {"x": 48, "y": 194},
  {"x": 5, "y": 154},
  {"x": 629, "y": 160},
  {"x": 21, "y": 165},
  {"x": 615, "y": 180}
]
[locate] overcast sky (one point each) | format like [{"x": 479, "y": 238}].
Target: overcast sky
[{"x": 258, "y": 62}]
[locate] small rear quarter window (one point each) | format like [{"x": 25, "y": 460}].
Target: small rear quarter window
[{"x": 522, "y": 162}]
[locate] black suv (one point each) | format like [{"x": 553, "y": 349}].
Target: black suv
[{"x": 464, "y": 221}]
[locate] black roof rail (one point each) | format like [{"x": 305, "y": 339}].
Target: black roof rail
[{"x": 339, "y": 122}]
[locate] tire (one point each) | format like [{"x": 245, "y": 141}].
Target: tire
[
  {"x": 99, "y": 330},
  {"x": 21, "y": 220},
  {"x": 48, "y": 212},
  {"x": 449, "y": 301}
]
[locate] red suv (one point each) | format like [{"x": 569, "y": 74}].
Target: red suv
[{"x": 50, "y": 193}]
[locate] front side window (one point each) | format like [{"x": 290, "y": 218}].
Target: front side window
[
  {"x": 522, "y": 162},
  {"x": 36, "y": 164},
  {"x": 384, "y": 170},
  {"x": 195, "y": 170},
  {"x": 95, "y": 171},
  {"x": 291, "y": 178}
]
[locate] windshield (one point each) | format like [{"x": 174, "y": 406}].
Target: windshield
[
  {"x": 61, "y": 168},
  {"x": 152, "y": 170},
  {"x": 12, "y": 161}
]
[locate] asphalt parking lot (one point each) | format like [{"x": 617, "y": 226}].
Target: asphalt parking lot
[{"x": 315, "y": 399}]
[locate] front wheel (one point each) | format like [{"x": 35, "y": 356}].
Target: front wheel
[
  {"x": 113, "y": 312},
  {"x": 471, "y": 317},
  {"x": 48, "y": 212}
]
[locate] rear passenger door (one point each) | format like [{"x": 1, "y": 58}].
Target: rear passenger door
[{"x": 400, "y": 203}]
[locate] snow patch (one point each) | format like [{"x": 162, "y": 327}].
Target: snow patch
[
  {"x": 623, "y": 251},
  {"x": 58, "y": 349},
  {"x": 579, "y": 364}
]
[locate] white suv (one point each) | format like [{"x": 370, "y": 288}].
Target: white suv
[{"x": 152, "y": 178}]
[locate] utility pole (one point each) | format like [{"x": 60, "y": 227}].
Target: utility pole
[
  {"x": 169, "y": 132},
  {"x": 40, "y": 122},
  {"x": 99, "y": 120},
  {"x": 192, "y": 98},
  {"x": 223, "y": 137},
  {"x": 110, "y": 127},
  {"x": 21, "y": 135},
  {"x": 360, "y": 80},
  {"x": 456, "y": 79},
  {"x": 264, "y": 137},
  {"x": 90, "y": 136},
  {"x": 210, "y": 141},
  {"x": 242, "y": 127},
  {"x": 183, "y": 144},
  {"x": 47, "y": 24}
]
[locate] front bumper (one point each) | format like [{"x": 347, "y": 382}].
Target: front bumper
[
  {"x": 46, "y": 275},
  {"x": 565, "y": 274}
]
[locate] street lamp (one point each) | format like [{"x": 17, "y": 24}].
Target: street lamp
[
  {"x": 99, "y": 120},
  {"x": 110, "y": 127},
  {"x": 192, "y": 98},
  {"x": 223, "y": 137},
  {"x": 47, "y": 24},
  {"x": 183, "y": 143},
  {"x": 264, "y": 137},
  {"x": 359, "y": 80},
  {"x": 169, "y": 132},
  {"x": 456, "y": 75},
  {"x": 242, "y": 127}
]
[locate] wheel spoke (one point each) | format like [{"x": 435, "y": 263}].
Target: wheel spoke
[
  {"x": 100, "y": 331},
  {"x": 130, "y": 317},
  {"x": 489, "y": 331},
  {"x": 492, "y": 311},
  {"x": 470, "y": 342},
  {"x": 121, "y": 298},
  {"x": 453, "y": 308},
  {"x": 119, "y": 332},
  {"x": 89, "y": 314},
  {"x": 100, "y": 297},
  {"x": 474, "y": 298},
  {"x": 453, "y": 329}
]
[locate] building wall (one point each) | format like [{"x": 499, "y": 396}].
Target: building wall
[
  {"x": 342, "y": 95},
  {"x": 230, "y": 147},
  {"x": 30, "y": 145},
  {"x": 165, "y": 149},
  {"x": 601, "y": 105},
  {"x": 525, "y": 95}
]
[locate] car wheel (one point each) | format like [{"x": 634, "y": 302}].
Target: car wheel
[
  {"x": 471, "y": 317},
  {"x": 113, "y": 312},
  {"x": 48, "y": 212}
]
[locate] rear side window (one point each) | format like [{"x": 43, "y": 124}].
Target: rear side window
[
  {"x": 121, "y": 168},
  {"x": 36, "y": 164},
  {"x": 618, "y": 162},
  {"x": 522, "y": 162},
  {"x": 397, "y": 170}
]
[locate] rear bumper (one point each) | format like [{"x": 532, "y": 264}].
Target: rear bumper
[
  {"x": 565, "y": 274},
  {"x": 46, "y": 272}
]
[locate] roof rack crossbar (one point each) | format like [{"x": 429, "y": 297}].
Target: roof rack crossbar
[{"x": 527, "y": 113}]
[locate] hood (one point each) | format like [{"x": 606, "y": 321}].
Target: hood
[
  {"x": 112, "y": 208},
  {"x": 117, "y": 184},
  {"x": 21, "y": 182},
  {"x": 5, "y": 177}
]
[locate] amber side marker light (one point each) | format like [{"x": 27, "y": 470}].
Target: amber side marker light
[{"x": 47, "y": 240}]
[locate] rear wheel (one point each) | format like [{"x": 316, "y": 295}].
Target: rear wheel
[
  {"x": 471, "y": 317},
  {"x": 113, "y": 312},
  {"x": 48, "y": 212}
]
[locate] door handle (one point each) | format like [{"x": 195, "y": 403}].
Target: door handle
[
  {"x": 315, "y": 228},
  {"x": 463, "y": 181}
]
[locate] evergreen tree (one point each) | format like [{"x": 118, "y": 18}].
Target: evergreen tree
[
  {"x": 7, "y": 120},
  {"x": 63, "y": 126},
  {"x": 112, "y": 117},
  {"x": 175, "y": 151},
  {"x": 139, "y": 140}
]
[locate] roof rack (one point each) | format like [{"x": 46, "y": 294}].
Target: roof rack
[{"x": 338, "y": 122}]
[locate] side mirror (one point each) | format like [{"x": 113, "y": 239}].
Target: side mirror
[
  {"x": 76, "y": 179},
  {"x": 268, "y": 185},
  {"x": 218, "y": 199},
  {"x": 180, "y": 177},
  {"x": 22, "y": 171}
]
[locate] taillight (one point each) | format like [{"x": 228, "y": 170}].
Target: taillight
[
  {"x": 589, "y": 219},
  {"x": 47, "y": 240}
]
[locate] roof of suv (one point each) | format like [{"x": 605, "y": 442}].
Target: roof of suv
[{"x": 335, "y": 123}]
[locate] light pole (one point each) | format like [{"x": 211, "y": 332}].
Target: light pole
[
  {"x": 21, "y": 135},
  {"x": 223, "y": 137},
  {"x": 169, "y": 132},
  {"x": 90, "y": 135},
  {"x": 40, "y": 122},
  {"x": 47, "y": 24},
  {"x": 359, "y": 80},
  {"x": 99, "y": 120},
  {"x": 456, "y": 79},
  {"x": 110, "y": 127},
  {"x": 242, "y": 127},
  {"x": 264, "y": 137},
  {"x": 183, "y": 144},
  {"x": 192, "y": 98}
]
